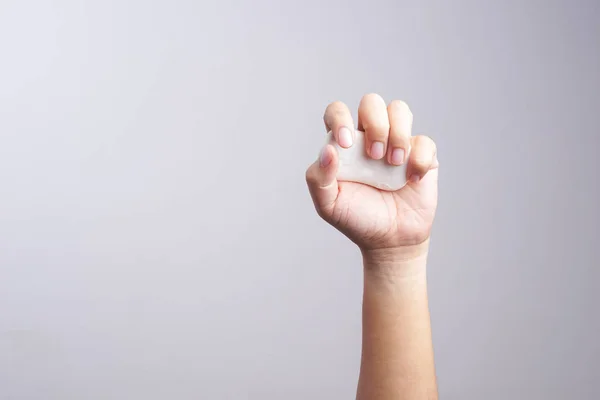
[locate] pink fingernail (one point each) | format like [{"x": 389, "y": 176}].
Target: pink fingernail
[
  {"x": 398, "y": 156},
  {"x": 377, "y": 150},
  {"x": 325, "y": 158},
  {"x": 345, "y": 137}
]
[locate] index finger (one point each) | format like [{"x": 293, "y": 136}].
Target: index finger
[{"x": 338, "y": 120}]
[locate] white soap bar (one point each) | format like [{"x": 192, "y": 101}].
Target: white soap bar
[{"x": 356, "y": 166}]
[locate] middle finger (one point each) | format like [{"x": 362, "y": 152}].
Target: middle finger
[{"x": 373, "y": 120}]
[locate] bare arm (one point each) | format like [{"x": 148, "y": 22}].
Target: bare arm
[
  {"x": 391, "y": 228},
  {"x": 397, "y": 352}
]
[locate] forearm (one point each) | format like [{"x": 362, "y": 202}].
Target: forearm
[{"x": 397, "y": 354}]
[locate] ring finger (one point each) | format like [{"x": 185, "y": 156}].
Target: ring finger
[{"x": 401, "y": 119}]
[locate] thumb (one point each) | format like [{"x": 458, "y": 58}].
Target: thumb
[{"x": 322, "y": 182}]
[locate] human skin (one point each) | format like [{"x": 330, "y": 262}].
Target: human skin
[{"x": 392, "y": 231}]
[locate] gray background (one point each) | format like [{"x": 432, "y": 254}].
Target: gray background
[{"x": 157, "y": 240}]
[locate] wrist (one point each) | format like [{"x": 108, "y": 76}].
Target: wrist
[{"x": 404, "y": 261}]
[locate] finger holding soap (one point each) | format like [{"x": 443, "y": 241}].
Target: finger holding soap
[
  {"x": 373, "y": 120},
  {"x": 423, "y": 158},
  {"x": 322, "y": 182},
  {"x": 401, "y": 120},
  {"x": 338, "y": 120}
]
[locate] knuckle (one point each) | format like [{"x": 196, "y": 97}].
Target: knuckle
[
  {"x": 377, "y": 128},
  {"x": 335, "y": 111},
  {"x": 337, "y": 105},
  {"x": 398, "y": 139},
  {"x": 399, "y": 105},
  {"x": 399, "y": 109},
  {"x": 309, "y": 175},
  {"x": 372, "y": 97},
  {"x": 419, "y": 161},
  {"x": 429, "y": 143}
]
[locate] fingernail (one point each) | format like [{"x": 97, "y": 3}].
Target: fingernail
[
  {"x": 398, "y": 156},
  {"x": 377, "y": 150},
  {"x": 345, "y": 137},
  {"x": 414, "y": 178},
  {"x": 325, "y": 157}
]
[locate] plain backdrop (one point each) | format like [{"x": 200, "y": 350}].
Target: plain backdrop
[{"x": 157, "y": 240}]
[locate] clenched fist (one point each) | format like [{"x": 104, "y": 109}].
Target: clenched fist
[{"x": 375, "y": 219}]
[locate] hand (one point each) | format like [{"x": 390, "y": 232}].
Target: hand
[{"x": 375, "y": 219}]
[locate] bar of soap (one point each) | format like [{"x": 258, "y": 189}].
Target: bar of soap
[{"x": 356, "y": 166}]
